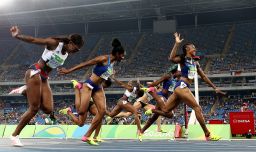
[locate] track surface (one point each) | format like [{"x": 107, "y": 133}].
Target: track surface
[{"x": 70, "y": 145}]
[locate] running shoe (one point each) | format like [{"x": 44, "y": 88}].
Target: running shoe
[
  {"x": 213, "y": 138},
  {"x": 150, "y": 89},
  {"x": 144, "y": 89},
  {"x": 65, "y": 111},
  {"x": 162, "y": 131},
  {"x": 186, "y": 133},
  {"x": 89, "y": 141},
  {"x": 76, "y": 84},
  {"x": 148, "y": 112},
  {"x": 98, "y": 139},
  {"x": 16, "y": 141},
  {"x": 109, "y": 120},
  {"x": 140, "y": 136},
  {"x": 19, "y": 90}
]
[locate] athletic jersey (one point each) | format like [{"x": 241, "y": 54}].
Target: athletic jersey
[
  {"x": 131, "y": 96},
  {"x": 168, "y": 85},
  {"x": 104, "y": 71},
  {"x": 172, "y": 85},
  {"x": 54, "y": 58},
  {"x": 189, "y": 68}
]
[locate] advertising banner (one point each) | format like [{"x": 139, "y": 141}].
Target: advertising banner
[{"x": 241, "y": 122}]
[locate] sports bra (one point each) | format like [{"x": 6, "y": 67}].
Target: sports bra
[
  {"x": 189, "y": 68},
  {"x": 131, "y": 95},
  {"x": 104, "y": 71}
]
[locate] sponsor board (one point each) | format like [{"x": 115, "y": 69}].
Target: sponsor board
[{"x": 241, "y": 122}]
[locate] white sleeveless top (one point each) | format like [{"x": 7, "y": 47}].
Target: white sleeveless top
[
  {"x": 54, "y": 58},
  {"x": 131, "y": 95}
]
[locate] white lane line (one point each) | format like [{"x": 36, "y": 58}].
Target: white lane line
[
  {"x": 135, "y": 146},
  {"x": 139, "y": 150}
]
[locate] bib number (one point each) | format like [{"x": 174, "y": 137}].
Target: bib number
[
  {"x": 183, "y": 85},
  {"x": 55, "y": 61},
  {"x": 191, "y": 72},
  {"x": 171, "y": 88},
  {"x": 124, "y": 102},
  {"x": 107, "y": 74}
]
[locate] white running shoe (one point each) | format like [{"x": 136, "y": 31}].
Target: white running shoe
[
  {"x": 16, "y": 141},
  {"x": 18, "y": 90},
  {"x": 186, "y": 133}
]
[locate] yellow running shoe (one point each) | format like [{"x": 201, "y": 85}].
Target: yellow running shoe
[
  {"x": 65, "y": 111},
  {"x": 76, "y": 84},
  {"x": 162, "y": 131},
  {"x": 148, "y": 112},
  {"x": 89, "y": 141},
  {"x": 109, "y": 120},
  {"x": 98, "y": 139},
  {"x": 140, "y": 136},
  {"x": 92, "y": 142},
  {"x": 213, "y": 138},
  {"x": 144, "y": 89}
]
